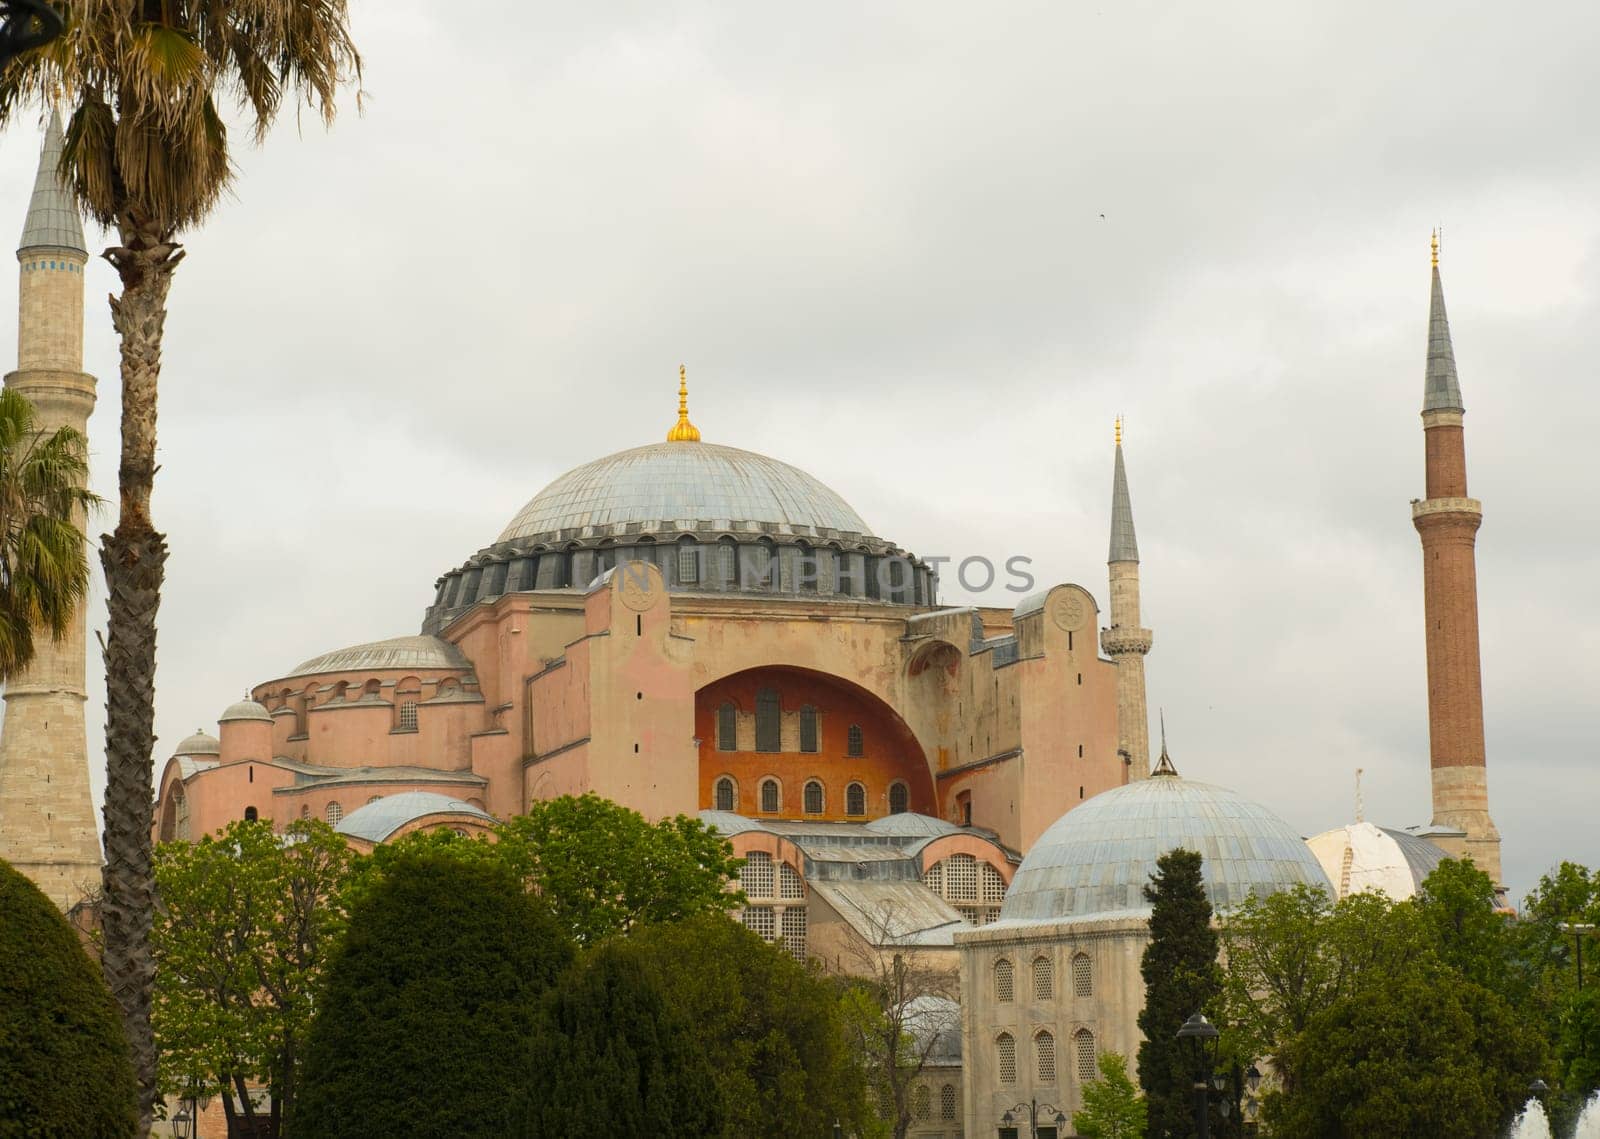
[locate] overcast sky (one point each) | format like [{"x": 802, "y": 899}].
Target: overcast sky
[{"x": 927, "y": 251}]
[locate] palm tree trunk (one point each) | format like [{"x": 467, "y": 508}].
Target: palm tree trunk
[{"x": 134, "y": 556}]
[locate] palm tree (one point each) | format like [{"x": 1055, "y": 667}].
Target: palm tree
[
  {"x": 146, "y": 153},
  {"x": 44, "y": 570}
]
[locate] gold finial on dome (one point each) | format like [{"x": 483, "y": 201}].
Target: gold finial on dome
[
  {"x": 683, "y": 431},
  {"x": 1119, "y": 430},
  {"x": 1435, "y": 244}
]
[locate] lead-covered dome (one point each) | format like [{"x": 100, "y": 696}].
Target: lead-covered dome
[
  {"x": 1096, "y": 859},
  {"x": 684, "y": 486}
]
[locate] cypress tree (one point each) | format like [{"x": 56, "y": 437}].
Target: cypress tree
[
  {"x": 612, "y": 1058},
  {"x": 1181, "y": 978}
]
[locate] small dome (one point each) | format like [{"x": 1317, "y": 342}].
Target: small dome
[
  {"x": 1096, "y": 859},
  {"x": 728, "y": 823},
  {"x": 245, "y": 710},
  {"x": 665, "y": 486},
  {"x": 377, "y": 821},
  {"x": 201, "y": 743},
  {"x": 1362, "y": 856},
  {"x": 913, "y": 825},
  {"x": 420, "y": 652}
]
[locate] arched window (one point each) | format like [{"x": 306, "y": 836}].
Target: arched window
[
  {"x": 921, "y": 1102},
  {"x": 1044, "y": 979},
  {"x": 947, "y": 1102},
  {"x": 994, "y": 885},
  {"x": 1083, "y": 1045},
  {"x": 1006, "y": 1053},
  {"x": 335, "y": 813},
  {"x": 807, "y": 568},
  {"x": 305, "y": 810},
  {"x": 727, "y": 564},
  {"x": 933, "y": 878},
  {"x": 250, "y": 815},
  {"x": 757, "y": 875},
  {"x": 727, "y": 727},
  {"x": 727, "y": 795},
  {"x": 855, "y": 799},
  {"x": 688, "y": 562},
  {"x": 769, "y": 796},
  {"x": 808, "y": 729},
  {"x": 1082, "y": 975},
  {"x": 1004, "y": 986},
  {"x": 769, "y": 721},
  {"x": 961, "y": 878},
  {"x": 1044, "y": 1054},
  {"x": 813, "y": 798},
  {"x": 791, "y": 887},
  {"x": 855, "y": 742},
  {"x": 899, "y": 799}
]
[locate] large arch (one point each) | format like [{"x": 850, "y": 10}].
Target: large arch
[{"x": 889, "y": 751}]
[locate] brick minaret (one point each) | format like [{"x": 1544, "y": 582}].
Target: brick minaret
[
  {"x": 1125, "y": 642},
  {"x": 1447, "y": 521},
  {"x": 47, "y": 824}
]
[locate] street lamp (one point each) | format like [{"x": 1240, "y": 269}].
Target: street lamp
[
  {"x": 1032, "y": 1109},
  {"x": 1203, "y": 1040},
  {"x": 1578, "y": 929},
  {"x": 184, "y": 1124},
  {"x": 26, "y": 24}
]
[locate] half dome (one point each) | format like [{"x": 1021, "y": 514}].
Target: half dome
[
  {"x": 683, "y": 486},
  {"x": 1362, "y": 856},
  {"x": 379, "y": 819},
  {"x": 1096, "y": 859},
  {"x": 201, "y": 743},
  {"x": 422, "y": 652}
]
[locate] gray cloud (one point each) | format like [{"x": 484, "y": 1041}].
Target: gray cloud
[{"x": 874, "y": 235}]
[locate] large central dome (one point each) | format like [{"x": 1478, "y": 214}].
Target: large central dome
[{"x": 684, "y": 486}]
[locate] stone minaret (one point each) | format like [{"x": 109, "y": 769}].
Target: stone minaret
[
  {"x": 1447, "y": 521},
  {"x": 1125, "y": 642},
  {"x": 47, "y": 824}
]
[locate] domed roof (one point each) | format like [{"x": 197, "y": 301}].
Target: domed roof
[
  {"x": 1362, "y": 856},
  {"x": 201, "y": 743},
  {"x": 245, "y": 710},
  {"x": 378, "y": 820},
  {"x": 907, "y": 823},
  {"x": 684, "y": 483},
  {"x": 1096, "y": 859},
  {"x": 398, "y": 652}
]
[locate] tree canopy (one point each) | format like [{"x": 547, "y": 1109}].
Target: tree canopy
[
  {"x": 1112, "y": 1106},
  {"x": 611, "y": 1056},
  {"x": 770, "y": 1028},
  {"x": 429, "y": 1004},
  {"x": 64, "y": 1069}
]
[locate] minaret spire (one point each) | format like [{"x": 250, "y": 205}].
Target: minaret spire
[
  {"x": 683, "y": 431},
  {"x": 1126, "y": 642},
  {"x": 47, "y": 824},
  {"x": 1447, "y": 522}
]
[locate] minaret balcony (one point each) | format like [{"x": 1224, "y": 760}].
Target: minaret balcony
[
  {"x": 1121, "y": 641},
  {"x": 1425, "y": 507}
]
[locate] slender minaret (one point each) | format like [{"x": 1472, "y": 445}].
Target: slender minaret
[
  {"x": 1447, "y": 521},
  {"x": 47, "y": 824},
  {"x": 1125, "y": 642}
]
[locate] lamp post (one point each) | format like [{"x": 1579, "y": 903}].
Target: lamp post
[
  {"x": 1032, "y": 1109},
  {"x": 1203, "y": 1039},
  {"x": 1250, "y": 1110},
  {"x": 26, "y": 24},
  {"x": 1578, "y": 929}
]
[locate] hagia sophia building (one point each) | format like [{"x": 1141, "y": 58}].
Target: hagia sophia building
[{"x": 685, "y": 627}]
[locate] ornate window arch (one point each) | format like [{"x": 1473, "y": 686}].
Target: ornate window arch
[
  {"x": 1044, "y": 1055},
  {"x": 1082, "y": 975},
  {"x": 1005, "y": 1047},
  {"x": 1005, "y": 988},
  {"x": 1044, "y": 978},
  {"x": 725, "y": 796},
  {"x": 855, "y": 742},
  {"x": 1083, "y": 1046},
  {"x": 855, "y": 800},
  {"x": 815, "y": 801},
  {"x": 771, "y": 796},
  {"x": 334, "y": 812},
  {"x": 899, "y": 798}
]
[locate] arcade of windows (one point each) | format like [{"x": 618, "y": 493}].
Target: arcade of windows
[
  {"x": 922, "y": 1105},
  {"x": 813, "y": 798},
  {"x": 1042, "y": 987},
  {"x": 777, "y": 902},
  {"x": 975, "y": 889}
]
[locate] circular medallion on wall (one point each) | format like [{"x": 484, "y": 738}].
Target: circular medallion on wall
[
  {"x": 636, "y": 586},
  {"x": 1067, "y": 610}
]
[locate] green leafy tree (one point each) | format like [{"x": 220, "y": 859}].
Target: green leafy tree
[
  {"x": 1112, "y": 1106},
  {"x": 771, "y": 1029},
  {"x": 1420, "y": 1052},
  {"x": 43, "y": 569},
  {"x": 1459, "y": 910},
  {"x": 612, "y": 1057},
  {"x": 246, "y": 923},
  {"x": 603, "y": 869},
  {"x": 430, "y": 1001},
  {"x": 64, "y": 1070},
  {"x": 146, "y": 153},
  {"x": 1181, "y": 978}
]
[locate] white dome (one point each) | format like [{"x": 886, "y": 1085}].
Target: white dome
[
  {"x": 422, "y": 652},
  {"x": 378, "y": 820},
  {"x": 1096, "y": 859},
  {"x": 1362, "y": 856},
  {"x": 245, "y": 710},
  {"x": 663, "y": 484}
]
